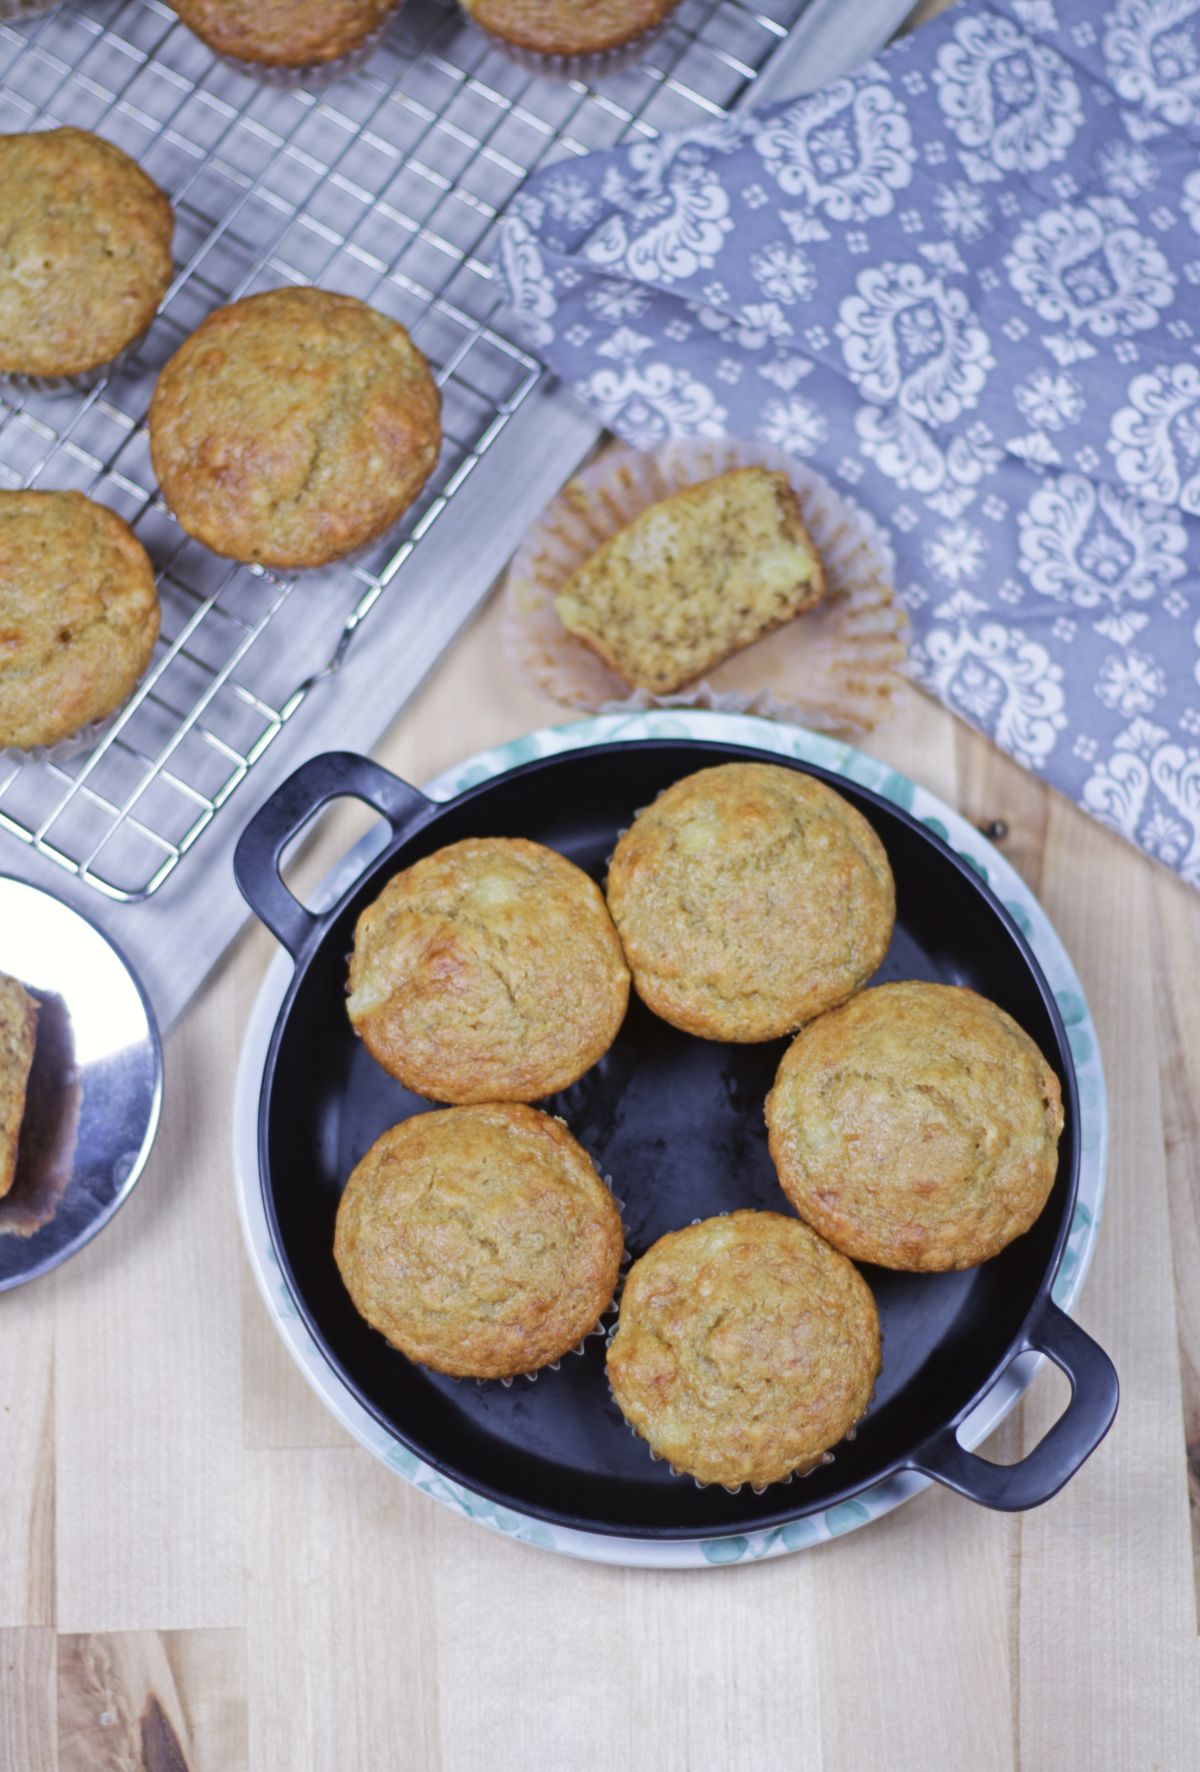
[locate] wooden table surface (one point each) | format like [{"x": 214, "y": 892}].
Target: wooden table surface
[{"x": 199, "y": 1569}]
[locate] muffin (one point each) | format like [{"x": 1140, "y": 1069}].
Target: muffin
[
  {"x": 564, "y": 27},
  {"x": 479, "y": 1240},
  {"x": 748, "y": 898},
  {"x": 916, "y": 1127},
  {"x": 87, "y": 252},
  {"x": 489, "y": 971},
  {"x": 284, "y": 33},
  {"x": 79, "y": 615},
  {"x": 745, "y": 1348},
  {"x": 695, "y": 578},
  {"x": 293, "y": 427},
  {"x": 18, "y": 1032}
]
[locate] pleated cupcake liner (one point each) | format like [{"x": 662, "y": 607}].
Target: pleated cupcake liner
[
  {"x": 827, "y": 1457},
  {"x": 81, "y": 382},
  {"x": 595, "y": 65},
  {"x": 837, "y": 668},
  {"x": 314, "y": 74}
]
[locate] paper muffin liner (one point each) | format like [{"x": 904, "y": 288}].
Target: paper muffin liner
[
  {"x": 590, "y": 67},
  {"x": 312, "y": 74},
  {"x": 829, "y": 1456},
  {"x": 82, "y": 382},
  {"x": 838, "y": 668},
  {"x": 67, "y": 749}
]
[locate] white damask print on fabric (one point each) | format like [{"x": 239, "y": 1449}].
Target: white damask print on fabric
[
  {"x": 907, "y": 337},
  {"x": 965, "y": 282},
  {"x": 1000, "y": 679},
  {"x": 1152, "y": 55},
  {"x": 1013, "y": 104},
  {"x": 846, "y": 149},
  {"x": 671, "y": 214},
  {"x": 1089, "y": 268},
  {"x": 1148, "y": 789},
  {"x": 1100, "y": 550},
  {"x": 1156, "y": 438}
]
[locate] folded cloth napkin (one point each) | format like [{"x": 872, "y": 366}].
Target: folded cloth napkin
[{"x": 966, "y": 282}]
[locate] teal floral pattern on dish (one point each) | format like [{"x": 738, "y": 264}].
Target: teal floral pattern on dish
[{"x": 967, "y": 842}]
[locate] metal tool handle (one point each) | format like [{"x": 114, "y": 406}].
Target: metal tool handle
[
  {"x": 1074, "y": 1436},
  {"x": 333, "y": 776}
]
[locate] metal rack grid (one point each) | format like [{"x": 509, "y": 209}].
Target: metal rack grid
[{"x": 387, "y": 184}]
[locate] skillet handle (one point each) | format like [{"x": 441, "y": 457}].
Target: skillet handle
[
  {"x": 331, "y": 776},
  {"x": 1074, "y": 1436}
]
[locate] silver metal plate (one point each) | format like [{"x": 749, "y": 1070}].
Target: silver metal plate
[{"x": 94, "y": 1090}]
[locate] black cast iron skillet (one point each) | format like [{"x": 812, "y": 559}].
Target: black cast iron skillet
[{"x": 677, "y": 1123}]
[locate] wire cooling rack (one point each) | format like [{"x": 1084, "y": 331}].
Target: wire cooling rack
[{"x": 386, "y": 184}]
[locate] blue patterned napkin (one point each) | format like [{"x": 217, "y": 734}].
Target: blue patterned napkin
[{"x": 966, "y": 283}]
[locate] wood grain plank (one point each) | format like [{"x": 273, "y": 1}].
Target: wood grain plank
[
  {"x": 1177, "y": 1003},
  {"x": 148, "y": 1392},
  {"x": 144, "y": 1701},
  {"x": 1107, "y": 1599},
  {"x": 912, "y": 1611},
  {"x": 27, "y": 1455},
  {"x": 27, "y": 1719},
  {"x": 343, "y": 1615}
]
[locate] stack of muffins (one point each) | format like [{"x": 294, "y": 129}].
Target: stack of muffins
[{"x": 913, "y": 1126}]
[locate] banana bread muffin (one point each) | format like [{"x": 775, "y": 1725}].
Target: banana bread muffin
[
  {"x": 18, "y": 1032},
  {"x": 293, "y": 427},
  {"x": 916, "y": 1127},
  {"x": 78, "y": 615},
  {"x": 489, "y": 971},
  {"x": 565, "y": 27},
  {"x": 479, "y": 1240},
  {"x": 87, "y": 251},
  {"x": 748, "y": 898},
  {"x": 745, "y": 1348},
  {"x": 694, "y": 578},
  {"x": 283, "y": 33}
]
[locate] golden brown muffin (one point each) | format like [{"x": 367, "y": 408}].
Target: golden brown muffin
[
  {"x": 86, "y": 251},
  {"x": 18, "y": 1032},
  {"x": 283, "y": 33},
  {"x": 78, "y": 615},
  {"x": 489, "y": 971},
  {"x": 479, "y": 1240},
  {"x": 567, "y": 27},
  {"x": 916, "y": 1127},
  {"x": 694, "y": 578},
  {"x": 745, "y": 1348},
  {"x": 293, "y": 427},
  {"x": 748, "y": 898}
]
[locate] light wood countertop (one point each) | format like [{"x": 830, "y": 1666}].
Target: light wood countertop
[{"x": 194, "y": 1556}]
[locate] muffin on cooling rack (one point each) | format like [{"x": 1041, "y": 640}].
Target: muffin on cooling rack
[
  {"x": 293, "y": 427},
  {"x": 916, "y": 1127},
  {"x": 748, "y": 898},
  {"x": 564, "y": 27},
  {"x": 79, "y": 615},
  {"x": 488, "y": 971},
  {"x": 285, "y": 33},
  {"x": 87, "y": 252},
  {"x": 479, "y": 1240},
  {"x": 745, "y": 1348}
]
